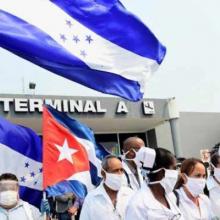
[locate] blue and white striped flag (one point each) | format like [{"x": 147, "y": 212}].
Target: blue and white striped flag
[
  {"x": 21, "y": 154},
  {"x": 95, "y": 43}
]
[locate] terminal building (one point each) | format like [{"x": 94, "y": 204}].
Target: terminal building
[{"x": 156, "y": 121}]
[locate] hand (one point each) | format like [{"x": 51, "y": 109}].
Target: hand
[
  {"x": 73, "y": 210},
  {"x": 45, "y": 206}
]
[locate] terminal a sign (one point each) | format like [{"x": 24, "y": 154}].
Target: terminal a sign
[{"x": 68, "y": 105}]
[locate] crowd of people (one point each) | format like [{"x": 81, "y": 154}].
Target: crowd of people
[{"x": 142, "y": 184}]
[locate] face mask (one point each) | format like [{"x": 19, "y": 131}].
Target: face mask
[
  {"x": 195, "y": 186},
  {"x": 8, "y": 198},
  {"x": 169, "y": 180},
  {"x": 113, "y": 181},
  {"x": 216, "y": 172},
  {"x": 135, "y": 159}
]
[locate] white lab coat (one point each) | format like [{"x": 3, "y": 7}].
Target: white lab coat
[
  {"x": 22, "y": 211},
  {"x": 214, "y": 195},
  {"x": 133, "y": 181},
  {"x": 189, "y": 209},
  {"x": 144, "y": 206},
  {"x": 98, "y": 205}
]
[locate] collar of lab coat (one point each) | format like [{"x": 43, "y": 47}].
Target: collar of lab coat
[
  {"x": 186, "y": 198},
  {"x": 19, "y": 204},
  {"x": 126, "y": 167},
  {"x": 129, "y": 172},
  {"x": 152, "y": 203},
  {"x": 101, "y": 192},
  {"x": 211, "y": 183}
]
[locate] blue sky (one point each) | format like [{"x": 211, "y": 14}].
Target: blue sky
[{"x": 190, "y": 72}]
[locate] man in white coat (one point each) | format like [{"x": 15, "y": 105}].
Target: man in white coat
[
  {"x": 109, "y": 200},
  {"x": 131, "y": 146},
  {"x": 11, "y": 206}
]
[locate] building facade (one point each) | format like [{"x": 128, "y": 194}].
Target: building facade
[{"x": 111, "y": 119}]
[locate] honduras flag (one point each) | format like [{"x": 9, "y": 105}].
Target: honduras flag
[
  {"x": 95, "y": 43},
  {"x": 21, "y": 154},
  {"x": 71, "y": 157}
]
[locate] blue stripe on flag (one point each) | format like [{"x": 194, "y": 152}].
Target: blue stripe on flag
[
  {"x": 67, "y": 186},
  {"x": 32, "y": 196},
  {"x": 111, "y": 20},
  {"x": 94, "y": 174},
  {"x": 21, "y": 139},
  {"x": 28, "y": 144},
  {"x": 74, "y": 126},
  {"x": 42, "y": 50}
]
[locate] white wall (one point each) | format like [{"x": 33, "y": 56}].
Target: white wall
[
  {"x": 198, "y": 131},
  {"x": 164, "y": 137}
]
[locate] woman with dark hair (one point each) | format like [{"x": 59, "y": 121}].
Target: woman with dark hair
[
  {"x": 193, "y": 203},
  {"x": 213, "y": 184},
  {"x": 155, "y": 199}
]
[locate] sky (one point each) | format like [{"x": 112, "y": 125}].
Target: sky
[{"x": 190, "y": 72}]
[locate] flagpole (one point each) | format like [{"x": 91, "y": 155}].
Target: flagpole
[
  {"x": 44, "y": 193},
  {"x": 44, "y": 198}
]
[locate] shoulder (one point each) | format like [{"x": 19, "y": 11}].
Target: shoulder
[
  {"x": 141, "y": 197},
  {"x": 34, "y": 211},
  {"x": 211, "y": 183},
  {"x": 204, "y": 198},
  {"x": 94, "y": 193}
]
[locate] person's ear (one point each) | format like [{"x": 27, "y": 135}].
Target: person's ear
[
  {"x": 162, "y": 173},
  {"x": 103, "y": 174}
]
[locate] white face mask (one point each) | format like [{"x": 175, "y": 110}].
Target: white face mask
[
  {"x": 113, "y": 181},
  {"x": 8, "y": 198},
  {"x": 135, "y": 159},
  {"x": 169, "y": 180},
  {"x": 216, "y": 172},
  {"x": 195, "y": 186}
]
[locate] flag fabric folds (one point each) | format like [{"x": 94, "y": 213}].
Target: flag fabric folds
[
  {"x": 98, "y": 44},
  {"x": 21, "y": 154},
  {"x": 70, "y": 163}
]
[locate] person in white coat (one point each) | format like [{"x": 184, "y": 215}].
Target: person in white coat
[
  {"x": 109, "y": 199},
  {"x": 155, "y": 200},
  {"x": 213, "y": 184},
  {"x": 193, "y": 203},
  {"x": 133, "y": 177},
  {"x": 11, "y": 206}
]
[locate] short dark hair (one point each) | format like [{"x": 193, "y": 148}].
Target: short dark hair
[
  {"x": 215, "y": 159},
  {"x": 164, "y": 159},
  {"x": 127, "y": 142},
  {"x": 8, "y": 176},
  {"x": 215, "y": 149},
  {"x": 105, "y": 164}
]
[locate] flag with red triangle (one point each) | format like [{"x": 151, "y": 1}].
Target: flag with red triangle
[{"x": 70, "y": 163}]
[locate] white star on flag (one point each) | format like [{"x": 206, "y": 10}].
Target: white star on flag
[{"x": 65, "y": 152}]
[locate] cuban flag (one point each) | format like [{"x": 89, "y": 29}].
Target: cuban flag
[
  {"x": 71, "y": 157},
  {"x": 98, "y": 44},
  {"x": 21, "y": 154}
]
